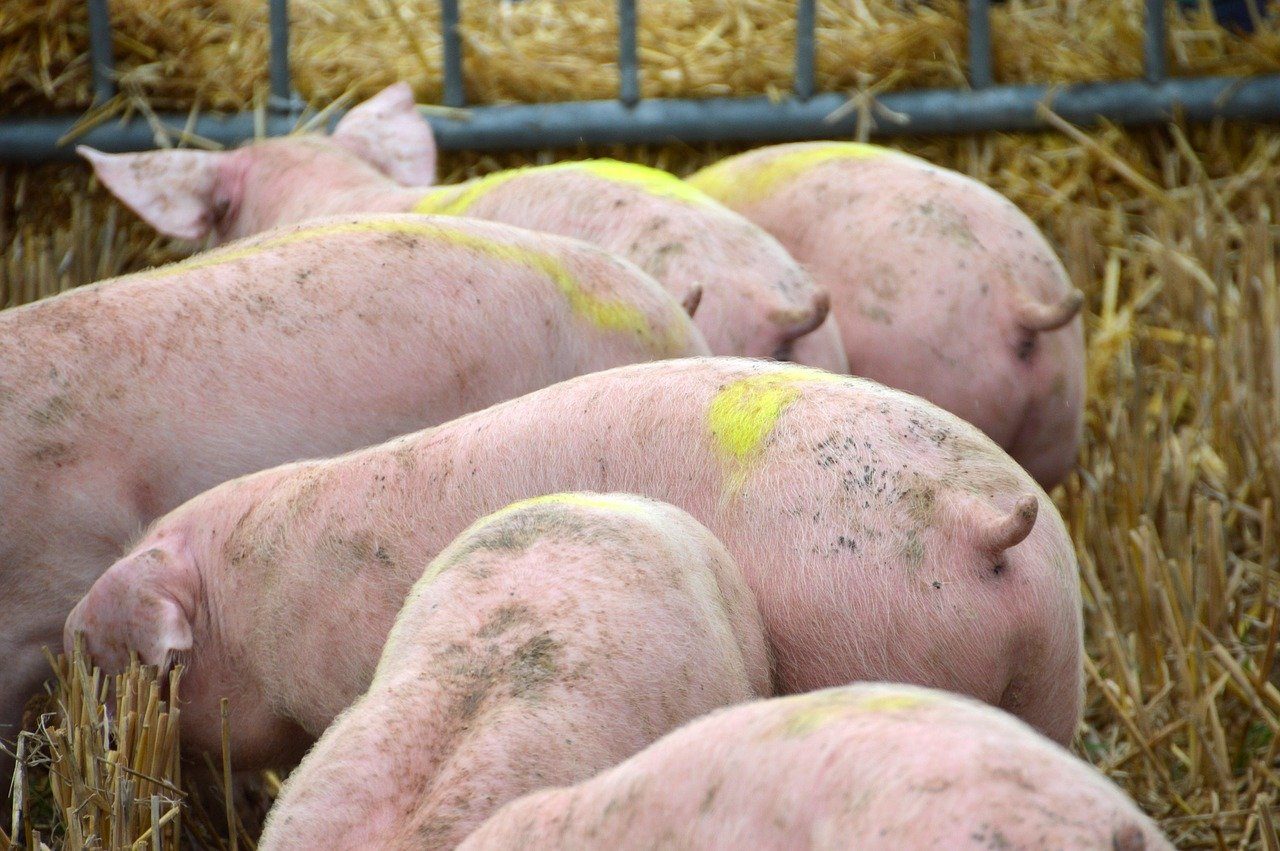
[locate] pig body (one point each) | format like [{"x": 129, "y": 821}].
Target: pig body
[
  {"x": 756, "y": 299},
  {"x": 121, "y": 400},
  {"x": 939, "y": 286},
  {"x": 883, "y": 538},
  {"x": 869, "y": 766},
  {"x": 550, "y": 641}
]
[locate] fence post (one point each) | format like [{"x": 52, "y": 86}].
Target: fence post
[
  {"x": 281, "y": 96},
  {"x": 1154, "y": 59},
  {"x": 455, "y": 93},
  {"x": 980, "y": 74},
  {"x": 628, "y": 63},
  {"x": 806, "y": 14},
  {"x": 101, "y": 51}
]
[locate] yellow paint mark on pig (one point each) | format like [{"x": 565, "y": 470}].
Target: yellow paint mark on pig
[
  {"x": 815, "y": 711},
  {"x": 457, "y": 200},
  {"x": 736, "y": 180},
  {"x": 605, "y": 313},
  {"x": 602, "y": 501},
  {"x": 743, "y": 415},
  {"x": 890, "y": 702}
]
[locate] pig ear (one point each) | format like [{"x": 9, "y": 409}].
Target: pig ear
[
  {"x": 692, "y": 299},
  {"x": 1000, "y": 532},
  {"x": 161, "y": 630},
  {"x": 137, "y": 605},
  {"x": 173, "y": 191},
  {"x": 388, "y": 131}
]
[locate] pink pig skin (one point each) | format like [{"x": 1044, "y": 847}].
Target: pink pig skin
[
  {"x": 757, "y": 300},
  {"x": 549, "y": 642},
  {"x": 939, "y": 286},
  {"x": 883, "y": 538},
  {"x": 875, "y": 767},
  {"x": 121, "y": 400}
]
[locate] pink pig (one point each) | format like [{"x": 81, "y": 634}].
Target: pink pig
[
  {"x": 550, "y": 641},
  {"x": 939, "y": 285},
  {"x": 875, "y": 767},
  {"x": 121, "y": 400},
  {"x": 883, "y": 538},
  {"x": 757, "y": 300}
]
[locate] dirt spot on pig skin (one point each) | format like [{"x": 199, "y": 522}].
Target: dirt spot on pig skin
[
  {"x": 519, "y": 672},
  {"x": 529, "y": 668},
  {"x": 709, "y": 798},
  {"x": 504, "y": 618},
  {"x": 56, "y": 454},
  {"x": 535, "y": 664},
  {"x": 1017, "y": 778},
  {"x": 934, "y": 786},
  {"x": 54, "y": 412},
  {"x": 1128, "y": 838},
  {"x": 992, "y": 838},
  {"x": 516, "y": 533},
  {"x": 876, "y": 313},
  {"x": 356, "y": 550}
]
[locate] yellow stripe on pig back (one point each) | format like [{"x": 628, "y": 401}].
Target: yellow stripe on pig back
[
  {"x": 607, "y": 314},
  {"x": 735, "y": 181},
  {"x": 743, "y": 415},
  {"x": 602, "y": 501},
  {"x": 652, "y": 180},
  {"x": 457, "y": 200},
  {"x": 817, "y": 710}
]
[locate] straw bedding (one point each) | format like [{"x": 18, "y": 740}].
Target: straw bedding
[{"x": 1172, "y": 233}]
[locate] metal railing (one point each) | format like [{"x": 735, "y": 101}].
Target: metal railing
[{"x": 631, "y": 119}]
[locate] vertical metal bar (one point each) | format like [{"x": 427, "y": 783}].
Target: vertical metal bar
[
  {"x": 806, "y": 14},
  {"x": 1155, "y": 65},
  {"x": 454, "y": 92},
  {"x": 278, "y": 60},
  {"x": 980, "y": 76},
  {"x": 101, "y": 52},
  {"x": 628, "y": 63}
]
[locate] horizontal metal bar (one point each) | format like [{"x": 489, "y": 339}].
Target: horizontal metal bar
[
  {"x": 657, "y": 121},
  {"x": 628, "y": 63},
  {"x": 278, "y": 60},
  {"x": 101, "y": 51},
  {"x": 980, "y": 72},
  {"x": 455, "y": 91},
  {"x": 806, "y": 50}
]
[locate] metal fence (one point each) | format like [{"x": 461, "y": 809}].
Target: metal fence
[{"x": 807, "y": 114}]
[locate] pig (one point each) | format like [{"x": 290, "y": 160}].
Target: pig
[
  {"x": 550, "y": 641},
  {"x": 939, "y": 286},
  {"x": 883, "y": 538},
  {"x": 757, "y": 300},
  {"x": 869, "y": 766},
  {"x": 121, "y": 400}
]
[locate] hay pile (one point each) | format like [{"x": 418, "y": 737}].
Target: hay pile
[
  {"x": 101, "y": 768},
  {"x": 1171, "y": 233}
]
